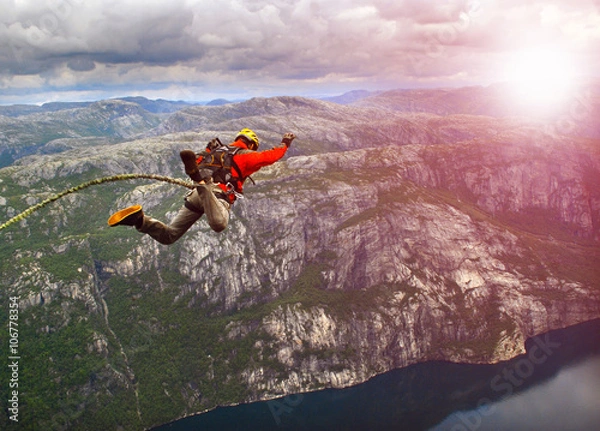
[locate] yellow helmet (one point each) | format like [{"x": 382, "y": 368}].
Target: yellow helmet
[{"x": 250, "y": 137}]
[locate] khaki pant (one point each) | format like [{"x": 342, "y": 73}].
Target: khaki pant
[{"x": 203, "y": 201}]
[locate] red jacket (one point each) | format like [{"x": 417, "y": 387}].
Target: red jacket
[{"x": 251, "y": 162}]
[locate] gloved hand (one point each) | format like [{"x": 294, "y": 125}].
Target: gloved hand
[{"x": 287, "y": 139}]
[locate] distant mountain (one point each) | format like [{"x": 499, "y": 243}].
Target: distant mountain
[
  {"x": 578, "y": 114},
  {"x": 110, "y": 120},
  {"x": 383, "y": 239},
  {"x": 158, "y": 106},
  {"x": 351, "y": 96},
  {"x": 19, "y": 110},
  {"x": 219, "y": 102},
  {"x": 325, "y": 126},
  {"x": 468, "y": 100}
]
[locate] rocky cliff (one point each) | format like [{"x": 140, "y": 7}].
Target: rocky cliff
[{"x": 383, "y": 239}]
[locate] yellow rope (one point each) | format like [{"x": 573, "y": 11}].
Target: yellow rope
[{"x": 121, "y": 177}]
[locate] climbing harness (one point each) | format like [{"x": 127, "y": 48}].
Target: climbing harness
[{"x": 216, "y": 162}]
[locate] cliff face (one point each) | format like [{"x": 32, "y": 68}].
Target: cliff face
[
  {"x": 414, "y": 253},
  {"x": 453, "y": 238}
]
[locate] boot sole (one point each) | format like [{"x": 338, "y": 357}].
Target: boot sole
[{"x": 119, "y": 217}]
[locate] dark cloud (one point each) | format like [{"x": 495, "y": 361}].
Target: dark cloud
[
  {"x": 81, "y": 64},
  {"x": 259, "y": 42},
  {"x": 103, "y": 32}
]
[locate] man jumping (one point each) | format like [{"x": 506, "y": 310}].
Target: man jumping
[{"x": 220, "y": 172}]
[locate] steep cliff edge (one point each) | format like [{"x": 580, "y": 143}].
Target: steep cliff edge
[
  {"x": 414, "y": 265},
  {"x": 456, "y": 238}
]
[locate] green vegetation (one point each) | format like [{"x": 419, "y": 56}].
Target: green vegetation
[
  {"x": 168, "y": 345},
  {"x": 64, "y": 266},
  {"x": 56, "y": 370},
  {"x": 143, "y": 352},
  {"x": 171, "y": 346}
]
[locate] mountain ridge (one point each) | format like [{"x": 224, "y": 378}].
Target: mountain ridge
[
  {"x": 576, "y": 114},
  {"x": 382, "y": 240}
]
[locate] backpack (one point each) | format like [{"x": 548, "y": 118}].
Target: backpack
[{"x": 216, "y": 162}]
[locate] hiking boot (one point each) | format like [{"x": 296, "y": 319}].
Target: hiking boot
[
  {"x": 188, "y": 157},
  {"x": 130, "y": 216}
]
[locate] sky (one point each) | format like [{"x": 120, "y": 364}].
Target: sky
[{"x": 199, "y": 50}]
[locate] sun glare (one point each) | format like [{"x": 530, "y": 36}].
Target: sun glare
[{"x": 540, "y": 78}]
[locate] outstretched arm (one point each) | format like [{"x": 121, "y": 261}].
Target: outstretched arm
[{"x": 249, "y": 163}]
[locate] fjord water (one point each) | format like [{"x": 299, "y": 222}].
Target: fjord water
[
  {"x": 570, "y": 401},
  {"x": 555, "y": 385}
]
